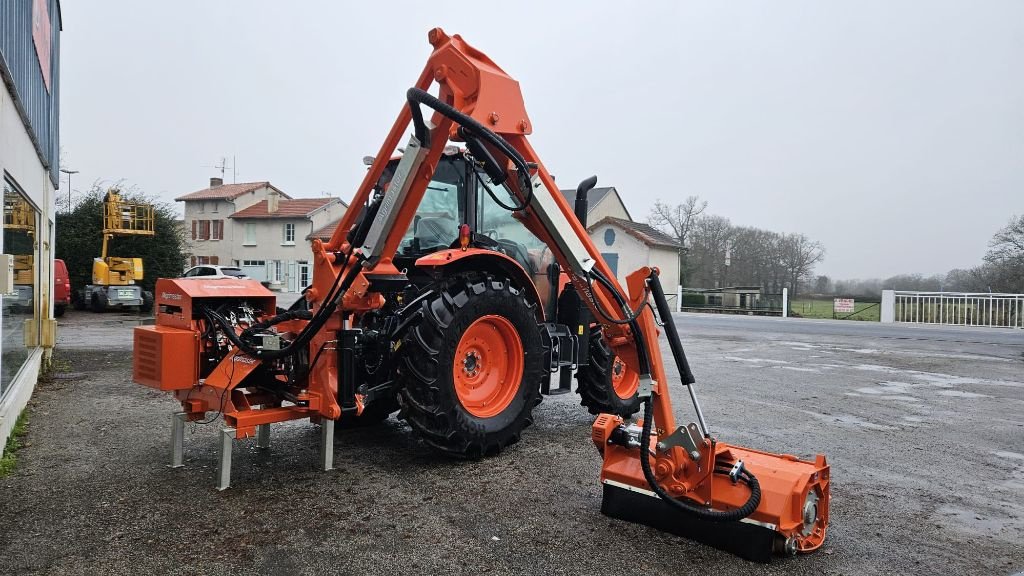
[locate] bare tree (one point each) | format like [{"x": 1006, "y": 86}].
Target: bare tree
[
  {"x": 678, "y": 221},
  {"x": 799, "y": 255}
]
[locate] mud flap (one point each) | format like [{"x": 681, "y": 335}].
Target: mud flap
[{"x": 746, "y": 540}]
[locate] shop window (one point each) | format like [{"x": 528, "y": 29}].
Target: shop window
[{"x": 18, "y": 308}]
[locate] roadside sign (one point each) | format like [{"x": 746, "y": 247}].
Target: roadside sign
[{"x": 842, "y": 305}]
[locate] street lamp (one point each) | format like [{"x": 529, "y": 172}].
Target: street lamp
[{"x": 69, "y": 173}]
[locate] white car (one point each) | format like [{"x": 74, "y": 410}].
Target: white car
[{"x": 214, "y": 271}]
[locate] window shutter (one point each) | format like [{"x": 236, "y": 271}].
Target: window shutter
[
  {"x": 214, "y": 260},
  {"x": 193, "y": 232}
]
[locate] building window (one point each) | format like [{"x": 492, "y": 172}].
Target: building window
[
  {"x": 250, "y": 234},
  {"x": 204, "y": 230},
  {"x": 202, "y": 207},
  {"x": 609, "y": 236},
  {"x": 215, "y": 205},
  {"x": 19, "y": 234},
  {"x": 277, "y": 271},
  {"x": 216, "y": 229},
  {"x": 254, "y": 262},
  {"x": 289, "y": 234}
]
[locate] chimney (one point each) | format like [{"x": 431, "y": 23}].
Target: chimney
[
  {"x": 272, "y": 199},
  {"x": 214, "y": 182}
]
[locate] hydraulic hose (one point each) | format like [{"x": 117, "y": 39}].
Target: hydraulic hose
[
  {"x": 316, "y": 323},
  {"x": 418, "y": 96},
  {"x": 703, "y": 513}
]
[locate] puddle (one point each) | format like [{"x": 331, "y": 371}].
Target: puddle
[
  {"x": 962, "y": 394},
  {"x": 755, "y": 360}
]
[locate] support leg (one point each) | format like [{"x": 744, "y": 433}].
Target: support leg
[
  {"x": 177, "y": 440},
  {"x": 227, "y": 438},
  {"x": 327, "y": 444},
  {"x": 263, "y": 436}
]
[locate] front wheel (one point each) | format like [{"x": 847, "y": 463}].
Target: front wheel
[
  {"x": 607, "y": 384},
  {"x": 99, "y": 301},
  {"x": 472, "y": 367}
]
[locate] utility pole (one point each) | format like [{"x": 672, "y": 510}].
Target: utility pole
[{"x": 69, "y": 173}]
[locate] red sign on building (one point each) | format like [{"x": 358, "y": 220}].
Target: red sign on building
[{"x": 41, "y": 36}]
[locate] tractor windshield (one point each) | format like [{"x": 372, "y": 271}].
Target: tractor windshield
[{"x": 436, "y": 224}]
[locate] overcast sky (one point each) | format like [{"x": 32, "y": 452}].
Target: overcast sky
[{"x": 892, "y": 132}]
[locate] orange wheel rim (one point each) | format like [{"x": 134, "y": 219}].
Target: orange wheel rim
[
  {"x": 488, "y": 366},
  {"x": 624, "y": 380}
]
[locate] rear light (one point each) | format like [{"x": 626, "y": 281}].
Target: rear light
[{"x": 464, "y": 236}]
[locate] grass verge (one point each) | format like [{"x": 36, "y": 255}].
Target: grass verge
[{"x": 8, "y": 460}]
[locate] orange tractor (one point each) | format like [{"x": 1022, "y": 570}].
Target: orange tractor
[{"x": 459, "y": 281}]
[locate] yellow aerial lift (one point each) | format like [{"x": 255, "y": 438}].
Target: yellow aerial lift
[{"x": 113, "y": 277}]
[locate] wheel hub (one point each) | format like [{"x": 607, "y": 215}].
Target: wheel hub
[{"x": 471, "y": 363}]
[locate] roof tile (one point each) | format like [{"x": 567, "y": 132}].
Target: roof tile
[
  {"x": 643, "y": 232},
  {"x": 227, "y": 191},
  {"x": 297, "y": 208}
]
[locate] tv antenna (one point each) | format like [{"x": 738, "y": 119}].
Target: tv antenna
[{"x": 223, "y": 166}]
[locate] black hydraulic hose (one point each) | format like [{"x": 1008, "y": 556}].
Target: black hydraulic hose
[
  {"x": 274, "y": 320},
  {"x": 300, "y": 341},
  {"x": 643, "y": 358},
  {"x": 740, "y": 513},
  {"x": 417, "y": 96}
]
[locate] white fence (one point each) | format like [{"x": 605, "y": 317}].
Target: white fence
[{"x": 953, "y": 308}]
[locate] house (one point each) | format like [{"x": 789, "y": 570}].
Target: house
[
  {"x": 254, "y": 226},
  {"x": 30, "y": 170},
  {"x": 601, "y": 202},
  {"x": 626, "y": 246}
]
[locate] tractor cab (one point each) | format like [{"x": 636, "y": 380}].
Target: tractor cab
[{"x": 458, "y": 194}]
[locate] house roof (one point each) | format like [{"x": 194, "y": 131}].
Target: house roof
[
  {"x": 297, "y": 208},
  {"x": 326, "y": 232},
  {"x": 228, "y": 191},
  {"x": 643, "y": 232}
]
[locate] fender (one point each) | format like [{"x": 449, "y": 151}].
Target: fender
[{"x": 448, "y": 261}]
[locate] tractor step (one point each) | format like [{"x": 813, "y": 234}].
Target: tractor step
[{"x": 747, "y": 540}]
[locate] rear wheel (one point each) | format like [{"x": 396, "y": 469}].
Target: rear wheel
[
  {"x": 99, "y": 302},
  {"x": 472, "y": 367},
  {"x": 147, "y": 301},
  {"x": 607, "y": 385}
]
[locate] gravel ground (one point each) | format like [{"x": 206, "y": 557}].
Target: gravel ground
[{"x": 924, "y": 431}]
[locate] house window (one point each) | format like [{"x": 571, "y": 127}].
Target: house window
[
  {"x": 215, "y": 206},
  {"x": 250, "y": 234},
  {"x": 202, "y": 207},
  {"x": 289, "y": 234},
  {"x": 254, "y": 262},
  {"x": 276, "y": 271},
  {"x": 204, "y": 260},
  {"x": 217, "y": 229},
  {"x": 204, "y": 230}
]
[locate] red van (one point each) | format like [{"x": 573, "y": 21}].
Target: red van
[{"x": 61, "y": 288}]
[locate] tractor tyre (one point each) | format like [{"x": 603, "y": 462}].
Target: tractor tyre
[
  {"x": 99, "y": 302},
  {"x": 147, "y": 301},
  {"x": 78, "y": 301},
  {"x": 606, "y": 385},
  {"x": 472, "y": 367},
  {"x": 58, "y": 310}
]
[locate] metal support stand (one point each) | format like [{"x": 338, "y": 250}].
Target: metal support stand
[
  {"x": 177, "y": 440},
  {"x": 263, "y": 436},
  {"x": 227, "y": 438},
  {"x": 327, "y": 444}
]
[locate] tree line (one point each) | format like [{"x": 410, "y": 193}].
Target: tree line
[
  {"x": 715, "y": 253},
  {"x": 1001, "y": 270}
]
